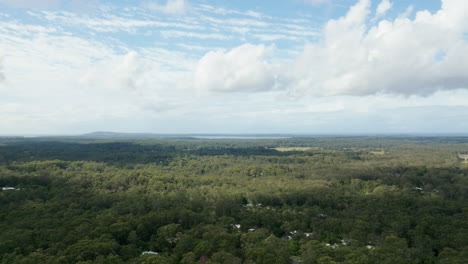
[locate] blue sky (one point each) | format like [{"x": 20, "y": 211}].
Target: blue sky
[{"x": 186, "y": 66}]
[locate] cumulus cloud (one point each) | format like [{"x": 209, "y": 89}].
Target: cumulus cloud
[
  {"x": 400, "y": 56},
  {"x": 123, "y": 72},
  {"x": 383, "y": 7},
  {"x": 171, "y": 6},
  {"x": 31, "y": 3},
  {"x": 241, "y": 69}
]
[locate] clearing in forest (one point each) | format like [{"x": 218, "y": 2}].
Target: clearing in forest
[
  {"x": 284, "y": 149},
  {"x": 464, "y": 158}
]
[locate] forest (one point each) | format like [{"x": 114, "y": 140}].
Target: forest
[{"x": 308, "y": 200}]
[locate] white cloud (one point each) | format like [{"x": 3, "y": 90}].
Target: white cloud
[
  {"x": 65, "y": 75},
  {"x": 383, "y": 7},
  {"x": 192, "y": 47},
  {"x": 110, "y": 23},
  {"x": 402, "y": 56},
  {"x": 223, "y": 11},
  {"x": 122, "y": 72},
  {"x": 59, "y": 79},
  {"x": 187, "y": 34},
  {"x": 317, "y": 2},
  {"x": 2, "y": 74},
  {"x": 176, "y": 6},
  {"x": 274, "y": 37},
  {"x": 241, "y": 69},
  {"x": 171, "y": 6},
  {"x": 143, "y": 74}
]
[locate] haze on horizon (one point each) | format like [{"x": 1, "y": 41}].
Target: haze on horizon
[{"x": 237, "y": 67}]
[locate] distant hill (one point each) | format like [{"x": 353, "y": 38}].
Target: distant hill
[
  {"x": 107, "y": 134},
  {"x": 114, "y": 135}
]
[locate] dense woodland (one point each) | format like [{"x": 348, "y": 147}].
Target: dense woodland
[{"x": 293, "y": 200}]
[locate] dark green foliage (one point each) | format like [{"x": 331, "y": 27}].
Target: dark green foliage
[{"x": 346, "y": 200}]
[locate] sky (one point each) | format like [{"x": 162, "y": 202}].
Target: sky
[{"x": 245, "y": 66}]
